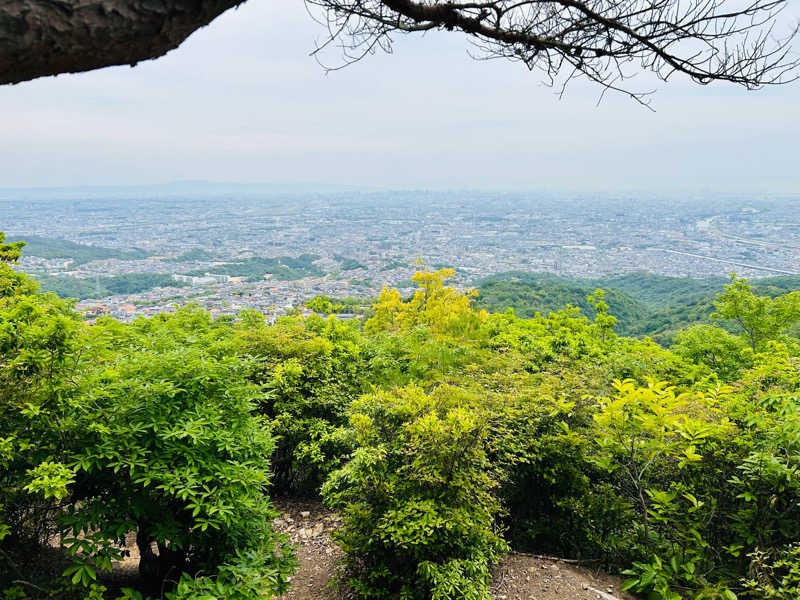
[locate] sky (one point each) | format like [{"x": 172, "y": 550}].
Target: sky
[{"x": 243, "y": 101}]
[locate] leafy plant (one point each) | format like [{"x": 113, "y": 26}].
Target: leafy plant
[{"x": 417, "y": 496}]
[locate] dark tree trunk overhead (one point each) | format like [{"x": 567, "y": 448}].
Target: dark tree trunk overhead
[
  {"x": 604, "y": 41},
  {"x": 48, "y": 37}
]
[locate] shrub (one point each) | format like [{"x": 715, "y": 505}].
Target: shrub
[
  {"x": 418, "y": 496},
  {"x": 774, "y": 575},
  {"x": 310, "y": 369},
  {"x": 167, "y": 446},
  {"x": 118, "y": 429},
  {"x": 713, "y": 347}
]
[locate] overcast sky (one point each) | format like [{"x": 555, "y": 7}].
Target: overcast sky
[{"x": 243, "y": 101}]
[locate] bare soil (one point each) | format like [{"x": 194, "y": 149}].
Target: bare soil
[
  {"x": 517, "y": 577},
  {"x": 309, "y": 525}
]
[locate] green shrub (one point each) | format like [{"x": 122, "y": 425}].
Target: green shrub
[
  {"x": 713, "y": 347},
  {"x": 774, "y": 575},
  {"x": 310, "y": 369},
  {"x": 149, "y": 428},
  {"x": 418, "y": 497},
  {"x": 169, "y": 448}
]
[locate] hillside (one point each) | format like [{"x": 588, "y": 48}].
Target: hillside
[
  {"x": 529, "y": 293},
  {"x": 130, "y": 283},
  {"x": 644, "y": 304},
  {"x": 44, "y": 247}
]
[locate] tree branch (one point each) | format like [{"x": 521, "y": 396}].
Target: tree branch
[
  {"x": 48, "y": 37},
  {"x": 600, "y": 40}
]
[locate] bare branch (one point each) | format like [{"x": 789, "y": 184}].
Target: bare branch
[{"x": 604, "y": 41}]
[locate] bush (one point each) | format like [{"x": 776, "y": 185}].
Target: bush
[
  {"x": 171, "y": 450},
  {"x": 310, "y": 369},
  {"x": 115, "y": 429},
  {"x": 713, "y": 347},
  {"x": 774, "y": 575},
  {"x": 418, "y": 496}
]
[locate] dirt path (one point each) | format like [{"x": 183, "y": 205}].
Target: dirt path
[{"x": 518, "y": 577}]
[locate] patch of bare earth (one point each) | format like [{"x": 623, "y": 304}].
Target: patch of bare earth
[
  {"x": 527, "y": 577},
  {"x": 517, "y": 577}
]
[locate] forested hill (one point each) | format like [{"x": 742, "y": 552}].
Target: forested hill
[
  {"x": 644, "y": 304},
  {"x": 79, "y": 254},
  {"x": 531, "y": 293}
]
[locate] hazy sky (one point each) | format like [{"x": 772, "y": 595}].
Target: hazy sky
[{"x": 242, "y": 100}]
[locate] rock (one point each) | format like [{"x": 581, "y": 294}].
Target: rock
[{"x": 305, "y": 514}]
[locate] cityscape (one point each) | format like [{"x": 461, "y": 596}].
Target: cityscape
[{"x": 274, "y": 251}]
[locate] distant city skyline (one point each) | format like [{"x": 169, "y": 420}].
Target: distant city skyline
[
  {"x": 242, "y": 101},
  {"x": 273, "y": 252}
]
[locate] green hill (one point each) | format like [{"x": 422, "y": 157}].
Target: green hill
[
  {"x": 51, "y": 248},
  {"x": 644, "y": 304},
  {"x": 285, "y": 267},
  {"x": 658, "y": 291},
  {"x": 130, "y": 283},
  {"x": 531, "y": 293}
]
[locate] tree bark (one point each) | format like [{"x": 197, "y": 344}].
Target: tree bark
[{"x": 48, "y": 37}]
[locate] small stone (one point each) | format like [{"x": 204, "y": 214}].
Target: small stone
[{"x": 305, "y": 514}]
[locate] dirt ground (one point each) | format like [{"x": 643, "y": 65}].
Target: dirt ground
[
  {"x": 518, "y": 577},
  {"x": 309, "y": 525}
]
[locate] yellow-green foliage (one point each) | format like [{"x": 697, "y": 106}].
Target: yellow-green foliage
[
  {"x": 149, "y": 429},
  {"x": 440, "y": 308},
  {"x": 417, "y": 495},
  {"x": 443, "y": 434}
]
